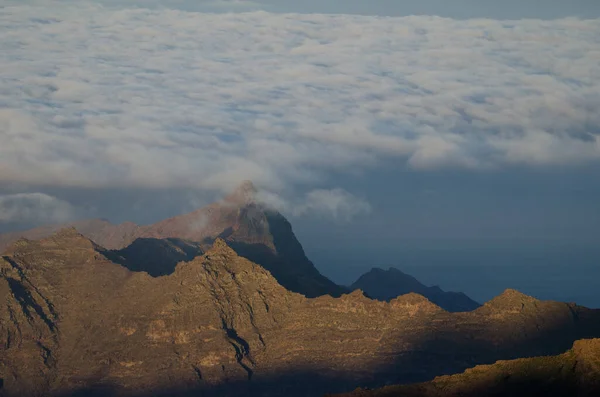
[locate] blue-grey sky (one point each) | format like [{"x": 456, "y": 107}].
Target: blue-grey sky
[
  {"x": 507, "y": 9},
  {"x": 380, "y": 138}
]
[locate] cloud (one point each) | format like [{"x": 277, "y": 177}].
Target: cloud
[
  {"x": 333, "y": 202},
  {"x": 34, "y": 208},
  {"x": 337, "y": 204},
  {"x": 97, "y": 97}
]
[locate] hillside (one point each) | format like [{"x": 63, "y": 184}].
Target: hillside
[
  {"x": 73, "y": 321},
  {"x": 575, "y": 373}
]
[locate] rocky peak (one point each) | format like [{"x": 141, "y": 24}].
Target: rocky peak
[
  {"x": 68, "y": 233},
  {"x": 70, "y": 237},
  {"x": 415, "y": 304},
  {"x": 67, "y": 238},
  {"x": 220, "y": 247},
  {"x": 511, "y": 299},
  {"x": 260, "y": 235},
  {"x": 355, "y": 296},
  {"x": 412, "y": 299},
  {"x": 16, "y": 245}
]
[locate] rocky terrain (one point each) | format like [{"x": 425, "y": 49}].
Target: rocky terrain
[
  {"x": 387, "y": 284},
  {"x": 575, "y": 373},
  {"x": 75, "y": 321},
  {"x": 256, "y": 232}
]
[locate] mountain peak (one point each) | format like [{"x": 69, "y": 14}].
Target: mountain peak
[
  {"x": 244, "y": 193},
  {"x": 69, "y": 237},
  {"x": 416, "y": 303},
  {"x": 65, "y": 236},
  {"x": 220, "y": 247},
  {"x": 511, "y": 299},
  {"x": 68, "y": 232}
]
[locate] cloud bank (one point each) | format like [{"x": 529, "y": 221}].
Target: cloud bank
[
  {"x": 95, "y": 97},
  {"x": 34, "y": 208}
]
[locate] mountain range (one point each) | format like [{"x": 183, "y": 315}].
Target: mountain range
[
  {"x": 255, "y": 231},
  {"x": 73, "y": 321},
  {"x": 223, "y": 301}
]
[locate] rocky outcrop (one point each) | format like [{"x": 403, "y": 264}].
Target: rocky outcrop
[
  {"x": 72, "y": 320},
  {"x": 255, "y": 231},
  {"x": 388, "y": 284},
  {"x": 575, "y": 373}
]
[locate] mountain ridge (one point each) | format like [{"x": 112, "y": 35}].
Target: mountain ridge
[
  {"x": 254, "y": 230},
  {"x": 71, "y": 319}
]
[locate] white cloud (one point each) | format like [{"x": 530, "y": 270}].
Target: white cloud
[
  {"x": 334, "y": 202},
  {"x": 337, "y": 203},
  {"x": 97, "y": 97},
  {"x": 35, "y": 208}
]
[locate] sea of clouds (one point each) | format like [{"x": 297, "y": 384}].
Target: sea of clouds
[{"x": 97, "y": 97}]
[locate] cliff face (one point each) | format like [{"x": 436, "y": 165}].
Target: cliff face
[
  {"x": 575, "y": 373},
  {"x": 72, "y": 320}
]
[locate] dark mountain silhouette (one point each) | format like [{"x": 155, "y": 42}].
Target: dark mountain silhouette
[
  {"x": 74, "y": 322},
  {"x": 388, "y": 284},
  {"x": 575, "y": 373},
  {"x": 255, "y": 231},
  {"x": 157, "y": 257}
]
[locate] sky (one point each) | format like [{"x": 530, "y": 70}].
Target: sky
[
  {"x": 459, "y": 9},
  {"x": 382, "y": 129}
]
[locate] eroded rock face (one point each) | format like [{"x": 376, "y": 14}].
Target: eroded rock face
[{"x": 71, "y": 320}]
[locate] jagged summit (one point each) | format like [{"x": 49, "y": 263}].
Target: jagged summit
[{"x": 219, "y": 246}]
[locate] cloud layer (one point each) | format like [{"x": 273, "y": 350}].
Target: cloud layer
[
  {"x": 337, "y": 203},
  {"x": 94, "y": 97},
  {"x": 34, "y": 208}
]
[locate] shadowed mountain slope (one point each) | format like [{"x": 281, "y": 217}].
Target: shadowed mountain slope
[
  {"x": 256, "y": 232},
  {"x": 73, "y": 321},
  {"x": 157, "y": 257},
  {"x": 387, "y": 284},
  {"x": 575, "y": 373}
]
